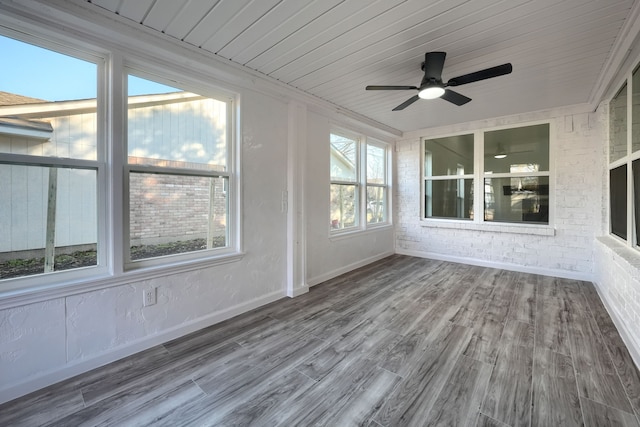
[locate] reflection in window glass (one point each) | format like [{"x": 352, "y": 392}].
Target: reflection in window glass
[
  {"x": 517, "y": 199},
  {"x": 449, "y": 156},
  {"x": 344, "y": 206},
  {"x": 48, "y": 219},
  {"x": 449, "y": 198},
  {"x": 528, "y": 145},
  {"x": 618, "y": 125}
]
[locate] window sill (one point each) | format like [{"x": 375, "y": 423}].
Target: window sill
[
  {"x": 335, "y": 236},
  {"x": 529, "y": 229},
  {"x": 15, "y": 296},
  {"x": 620, "y": 248}
]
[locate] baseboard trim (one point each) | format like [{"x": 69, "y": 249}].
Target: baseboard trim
[
  {"x": 503, "y": 266},
  {"x": 632, "y": 345},
  {"x": 70, "y": 370},
  {"x": 347, "y": 268}
]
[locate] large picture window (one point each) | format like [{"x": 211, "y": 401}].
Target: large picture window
[
  {"x": 508, "y": 168},
  {"x": 359, "y": 184}
]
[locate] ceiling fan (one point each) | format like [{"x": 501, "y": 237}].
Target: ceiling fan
[{"x": 432, "y": 86}]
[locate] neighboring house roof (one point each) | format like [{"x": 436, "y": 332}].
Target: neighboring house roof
[
  {"x": 7, "y": 98},
  {"x": 19, "y": 126}
]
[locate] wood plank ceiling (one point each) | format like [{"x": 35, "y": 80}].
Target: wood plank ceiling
[{"x": 334, "y": 48}]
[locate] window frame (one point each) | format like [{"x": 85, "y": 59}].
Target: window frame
[
  {"x": 361, "y": 184},
  {"x": 632, "y": 202},
  {"x": 154, "y": 74},
  {"x": 478, "y": 222},
  {"x": 113, "y": 66},
  {"x": 57, "y": 279},
  {"x": 457, "y": 178},
  {"x": 385, "y": 185}
]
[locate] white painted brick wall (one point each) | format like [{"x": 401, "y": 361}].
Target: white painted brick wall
[
  {"x": 618, "y": 280},
  {"x": 578, "y": 171}
]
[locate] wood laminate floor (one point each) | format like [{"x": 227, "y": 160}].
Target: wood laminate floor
[{"x": 402, "y": 342}]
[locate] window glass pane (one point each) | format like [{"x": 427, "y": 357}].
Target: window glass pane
[
  {"x": 509, "y": 149},
  {"x": 636, "y": 197},
  {"x": 517, "y": 199},
  {"x": 171, "y": 214},
  {"x": 618, "y": 200},
  {"x": 344, "y": 152},
  {"x": 618, "y": 125},
  {"x": 376, "y": 167},
  {"x": 449, "y": 156},
  {"x": 449, "y": 198},
  {"x": 344, "y": 202},
  {"x": 376, "y": 204},
  {"x": 47, "y": 103},
  {"x": 48, "y": 219},
  {"x": 635, "y": 127},
  {"x": 169, "y": 127}
]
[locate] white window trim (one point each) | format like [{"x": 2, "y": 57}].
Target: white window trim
[
  {"x": 478, "y": 222},
  {"x": 627, "y": 160}
]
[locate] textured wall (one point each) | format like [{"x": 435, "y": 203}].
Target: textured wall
[{"x": 577, "y": 151}]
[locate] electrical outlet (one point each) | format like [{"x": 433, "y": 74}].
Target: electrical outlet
[{"x": 148, "y": 297}]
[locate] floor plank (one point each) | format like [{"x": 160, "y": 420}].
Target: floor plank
[
  {"x": 403, "y": 341},
  {"x": 598, "y": 415},
  {"x": 595, "y": 373},
  {"x": 555, "y": 393},
  {"x": 508, "y": 397}
]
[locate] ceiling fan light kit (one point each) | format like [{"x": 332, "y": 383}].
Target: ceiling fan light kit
[
  {"x": 431, "y": 92},
  {"x": 432, "y": 86}
]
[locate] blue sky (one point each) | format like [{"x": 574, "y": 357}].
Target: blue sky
[{"x": 39, "y": 73}]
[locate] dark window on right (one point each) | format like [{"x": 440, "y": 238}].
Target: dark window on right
[{"x": 618, "y": 200}]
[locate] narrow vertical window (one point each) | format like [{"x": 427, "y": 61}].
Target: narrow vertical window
[
  {"x": 344, "y": 175},
  {"x": 376, "y": 184},
  {"x": 618, "y": 200}
]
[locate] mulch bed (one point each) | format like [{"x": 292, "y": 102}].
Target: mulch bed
[{"x": 27, "y": 267}]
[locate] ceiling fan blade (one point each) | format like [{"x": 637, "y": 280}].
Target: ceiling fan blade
[
  {"x": 488, "y": 73},
  {"x": 390, "y": 87},
  {"x": 433, "y": 64},
  {"x": 455, "y": 97},
  {"x": 406, "y": 103}
]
